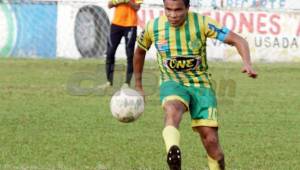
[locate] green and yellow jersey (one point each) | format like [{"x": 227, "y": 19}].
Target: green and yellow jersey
[{"x": 181, "y": 51}]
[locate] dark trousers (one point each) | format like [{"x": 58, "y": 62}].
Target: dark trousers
[{"x": 116, "y": 34}]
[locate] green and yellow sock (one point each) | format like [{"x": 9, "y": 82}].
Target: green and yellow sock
[{"x": 171, "y": 136}]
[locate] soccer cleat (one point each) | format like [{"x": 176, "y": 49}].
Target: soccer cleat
[
  {"x": 174, "y": 158},
  {"x": 125, "y": 86},
  {"x": 104, "y": 86}
]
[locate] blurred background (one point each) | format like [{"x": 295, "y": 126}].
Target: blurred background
[{"x": 78, "y": 28}]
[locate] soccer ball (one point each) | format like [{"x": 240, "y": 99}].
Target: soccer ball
[{"x": 126, "y": 105}]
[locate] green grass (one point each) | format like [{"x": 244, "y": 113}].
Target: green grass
[{"x": 48, "y": 123}]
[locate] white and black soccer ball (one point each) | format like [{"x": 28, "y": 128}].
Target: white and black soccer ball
[{"x": 127, "y": 105}]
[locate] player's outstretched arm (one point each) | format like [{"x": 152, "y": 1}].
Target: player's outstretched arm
[
  {"x": 243, "y": 48},
  {"x": 138, "y": 65}
]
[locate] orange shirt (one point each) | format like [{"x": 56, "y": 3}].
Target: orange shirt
[{"x": 125, "y": 15}]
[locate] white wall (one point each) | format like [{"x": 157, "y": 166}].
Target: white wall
[{"x": 272, "y": 36}]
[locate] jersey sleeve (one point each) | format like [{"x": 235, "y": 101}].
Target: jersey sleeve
[
  {"x": 144, "y": 39},
  {"x": 139, "y": 1},
  {"x": 214, "y": 30}
]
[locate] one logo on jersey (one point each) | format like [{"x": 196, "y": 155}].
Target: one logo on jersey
[
  {"x": 162, "y": 46},
  {"x": 183, "y": 63}
]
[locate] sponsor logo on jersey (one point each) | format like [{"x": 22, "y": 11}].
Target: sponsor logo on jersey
[{"x": 183, "y": 63}]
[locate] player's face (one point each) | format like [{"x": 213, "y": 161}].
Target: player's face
[{"x": 176, "y": 12}]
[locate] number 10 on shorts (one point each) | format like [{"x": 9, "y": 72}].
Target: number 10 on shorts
[{"x": 212, "y": 113}]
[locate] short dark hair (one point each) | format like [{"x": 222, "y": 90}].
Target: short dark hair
[{"x": 186, "y": 2}]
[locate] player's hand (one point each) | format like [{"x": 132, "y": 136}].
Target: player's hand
[
  {"x": 249, "y": 71},
  {"x": 116, "y": 2}
]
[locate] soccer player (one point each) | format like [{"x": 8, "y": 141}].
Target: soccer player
[
  {"x": 185, "y": 85},
  {"x": 124, "y": 24}
]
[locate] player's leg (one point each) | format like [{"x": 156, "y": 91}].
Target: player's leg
[
  {"x": 116, "y": 33},
  {"x": 130, "y": 38},
  {"x": 203, "y": 109},
  {"x": 174, "y": 110},
  {"x": 210, "y": 140},
  {"x": 175, "y": 102}
]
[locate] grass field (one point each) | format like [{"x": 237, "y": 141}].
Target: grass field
[{"x": 48, "y": 123}]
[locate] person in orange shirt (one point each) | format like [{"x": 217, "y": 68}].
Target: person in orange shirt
[{"x": 124, "y": 24}]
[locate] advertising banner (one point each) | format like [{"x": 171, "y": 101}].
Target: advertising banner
[
  {"x": 79, "y": 29},
  {"x": 28, "y": 30},
  {"x": 272, "y": 36},
  {"x": 7, "y": 30}
]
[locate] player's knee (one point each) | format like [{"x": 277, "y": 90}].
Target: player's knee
[
  {"x": 210, "y": 140},
  {"x": 173, "y": 107},
  {"x": 173, "y": 114},
  {"x": 110, "y": 60}
]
